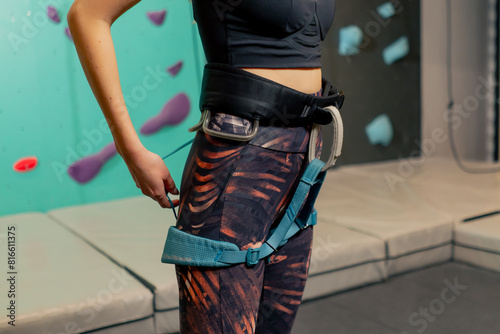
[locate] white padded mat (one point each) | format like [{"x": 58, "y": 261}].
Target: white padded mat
[
  {"x": 342, "y": 259},
  {"x": 133, "y": 232},
  {"x": 364, "y": 202},
  {"x": 441, "y": 183},
  {"x": 482, "y": 234},
  {"x": 336, "y": 247},
  {"x": 65, "y": 286},
  {"x": 478, "y": 242},
  {"x": 477, "y": 258}
]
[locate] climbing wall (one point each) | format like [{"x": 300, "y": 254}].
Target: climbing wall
[
  {"x": 55, "y": 147},
  {"x": 372, "y": 52}
]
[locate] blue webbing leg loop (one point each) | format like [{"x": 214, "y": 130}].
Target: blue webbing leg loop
[{"x": 184, "y": 248}]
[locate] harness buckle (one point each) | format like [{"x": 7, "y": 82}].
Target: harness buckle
[
  {"x": 304, "y": 226},
  {"x": 310, "y": 221},
  {"x": 252, "y": 256},
  {"x": 231, "y": 136}
]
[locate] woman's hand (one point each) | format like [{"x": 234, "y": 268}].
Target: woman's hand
[{"x": 151, "y": 176}]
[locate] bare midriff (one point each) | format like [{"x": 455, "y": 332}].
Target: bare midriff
[{"x": 306, "y": 80}]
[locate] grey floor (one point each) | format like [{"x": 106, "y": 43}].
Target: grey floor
[{"x": 412, "y": 303}]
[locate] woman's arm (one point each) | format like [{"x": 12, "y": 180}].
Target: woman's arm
[{"x": 90, "y": 25}]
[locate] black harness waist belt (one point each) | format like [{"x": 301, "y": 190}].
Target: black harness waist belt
[{"x": 234, "y": 91}]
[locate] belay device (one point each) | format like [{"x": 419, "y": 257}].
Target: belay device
[{"x": 187, "y": 249}]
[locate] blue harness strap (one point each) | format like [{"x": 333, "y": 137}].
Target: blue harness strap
[{"x": 187, "y": 249}]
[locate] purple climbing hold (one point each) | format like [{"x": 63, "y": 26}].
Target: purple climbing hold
[
  {"x": 172, "y": 113},
  {"x": 68, "y": 33},
  {"x": 174, "y": 69},
  {"x": 157, "y": 17},
  {"x": 53, "y": 15},
  {"x": 87, "y": 168}
]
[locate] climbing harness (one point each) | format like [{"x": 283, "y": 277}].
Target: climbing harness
[{"x": 187, "y": 249}]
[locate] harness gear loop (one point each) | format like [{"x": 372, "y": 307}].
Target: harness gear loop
[{"x": 338, "y": 135}]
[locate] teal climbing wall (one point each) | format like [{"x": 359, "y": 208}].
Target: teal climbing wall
[{"x": 47, "y": 108}]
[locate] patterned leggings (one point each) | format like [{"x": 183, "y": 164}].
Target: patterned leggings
[{"x": 236, "y": 192}]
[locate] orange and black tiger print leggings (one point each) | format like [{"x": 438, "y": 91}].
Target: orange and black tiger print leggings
[{"x": 236, "y": 192}]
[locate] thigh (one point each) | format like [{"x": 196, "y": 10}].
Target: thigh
[
  {"x": 233, "y": 191},
  {"x": 285, "y": 277},
  {"x": 230, "y": 192},
  {"x": 207, "y": 170}
]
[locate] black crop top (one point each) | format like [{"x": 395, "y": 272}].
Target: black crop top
[{"x": 264, "y": 33}]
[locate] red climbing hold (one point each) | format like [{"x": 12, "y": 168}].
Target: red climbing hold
[{"x": 25, "y": 164}]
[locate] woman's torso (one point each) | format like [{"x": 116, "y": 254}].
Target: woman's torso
[{"x": 276, "y": 39}]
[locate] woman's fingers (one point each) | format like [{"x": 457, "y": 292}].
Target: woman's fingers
[
  {"x": 164, "y": 202},
  {"x": 160, "y": 194},
  {"x": 170, "y": 185},
  {"x": 175, "y": 202}
]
